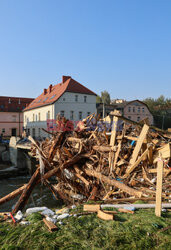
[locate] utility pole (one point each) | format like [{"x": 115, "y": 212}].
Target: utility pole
[{"x": 103, "y": 109}]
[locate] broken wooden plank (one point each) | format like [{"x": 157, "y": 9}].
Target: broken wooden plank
[
  {"x": 105, "y": 216},
  {"x": 112, "y": 142},
  {"x": 113, "y": 182},
  {"x": 164, "y": 151},
  {"x": 12, "y": 195},
  {"x": 27, "y": 191},
  {"x": 154, "y": 170},
  {"x": 117, "y": 155},
  {"x": 78, "y": 174},
  {"x": 51, "y": 226},
  {"x": 102, "y": 148},
  {"x": 91, "y": 208},
  {"x": 133, "y": 166},
  {"x": 123, "y": 210},
  {"x": 159, "y": 187},
  {"x": 138, "y": 145}
]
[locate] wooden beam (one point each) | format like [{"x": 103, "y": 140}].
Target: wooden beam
[
  {"x": 159, "y": 187},
  {"x": 27, "y": 191},
  {"x": 167, "y": 133},
  {"x": 12, "y": 195},
  {"x": 114, "y": 183},
  {"x": 112, "y": 142},
  {"x": 130, "y": 169},
  {"x": 150, "y": 155},
  {"x": 154, "y": 170},
  {"x": 117, "y": 155},
  {"x": 138, "y": 145}
]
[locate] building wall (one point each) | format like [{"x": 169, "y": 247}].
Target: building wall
[
  {"x": 33, "y": 124},
  {"x": 9, "y": 121},
  {"x": 136, "y": 111},
  {"x": 65, "y": 103}
]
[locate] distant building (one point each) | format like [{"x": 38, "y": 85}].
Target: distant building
[
  {"x": 68, "y": 98},
  {"x": 135, "y": 110},
  {"x": 115, "y": 101},
  {"x": 11, "y": 116},
  {"x": 106, "y": 108}
]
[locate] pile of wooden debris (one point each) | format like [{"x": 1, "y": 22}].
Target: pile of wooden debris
[{"x": 92, "y": 165}]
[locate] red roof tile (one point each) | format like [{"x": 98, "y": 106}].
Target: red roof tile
[
  {"x": 53, "y": 93},
  {"x": 13, "y": 104}
]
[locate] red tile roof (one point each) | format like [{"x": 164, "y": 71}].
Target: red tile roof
[
  {"x": 13, "y": 104},
  {"x": 53, "y": 93}
]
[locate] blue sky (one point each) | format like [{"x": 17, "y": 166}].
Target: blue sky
[{"x": 122, "y": 46}]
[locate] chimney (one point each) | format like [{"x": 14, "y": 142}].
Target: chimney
[
  {"x": 65, "y": 78},
  {"x": 45, "y": 91},
  {"x": 50, "y": 88}
]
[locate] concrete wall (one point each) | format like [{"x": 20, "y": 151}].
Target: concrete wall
[
  {"x": 136, "y": 111},
  {"x": 9, "y": 121}
]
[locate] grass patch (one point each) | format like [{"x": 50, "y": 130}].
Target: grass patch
[{"x": 138, "y": 231}]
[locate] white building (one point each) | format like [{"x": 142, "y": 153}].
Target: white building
[{"x": 69, "y": 98}]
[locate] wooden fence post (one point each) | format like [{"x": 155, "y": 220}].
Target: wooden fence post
[{"x": 159, "y": 188}]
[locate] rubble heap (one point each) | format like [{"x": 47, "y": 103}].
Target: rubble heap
[{"x": 94, "y": 165}]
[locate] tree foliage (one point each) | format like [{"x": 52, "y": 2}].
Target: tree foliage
[
  {"x": 159, "y": 108},
  {"x": 104, "y": 98},
  {"x": 98, "y": 99}
]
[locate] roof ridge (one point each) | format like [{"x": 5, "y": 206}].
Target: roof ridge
[{"x": 51, "y": 95}]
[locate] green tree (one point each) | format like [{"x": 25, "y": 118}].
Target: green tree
[
  {"x": 158, "y": 108},
  {"x": 98, "y": 99},
  {"x": 105, "y": 96}
]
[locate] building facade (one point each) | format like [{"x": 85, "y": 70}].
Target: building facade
[
  {"x": 105, "y": 109},
  {"x": 11, "y": 116},
  {"x": 137, "y": 111},
  {"x": 69, "y": 98}
]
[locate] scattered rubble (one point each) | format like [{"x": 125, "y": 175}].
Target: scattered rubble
[{"x": 115, "y": 167}]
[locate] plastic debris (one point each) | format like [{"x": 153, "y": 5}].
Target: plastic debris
[
  {"x": 35, "y": 210},
  {"x": 63, "y": 216},
  {"x": 47, "y": 212},
  {"x": 51, "y": 219},
  {"x": 18, "y": 216}
]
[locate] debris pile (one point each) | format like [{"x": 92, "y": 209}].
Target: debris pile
[{"x": 95, "y": 165}]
